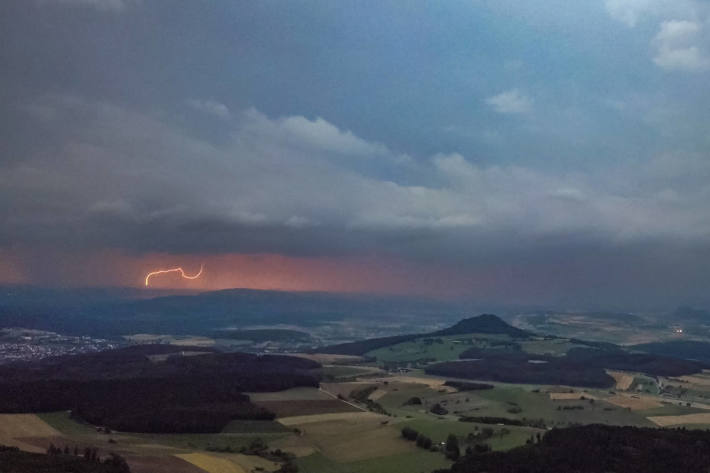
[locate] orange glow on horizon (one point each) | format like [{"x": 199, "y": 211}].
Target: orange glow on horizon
[
  {"x": 173, "y": 270},
  {"x": 260, "y": 271}
]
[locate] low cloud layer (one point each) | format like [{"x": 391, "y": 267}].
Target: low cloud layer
[{"x": 290, "y": 184}]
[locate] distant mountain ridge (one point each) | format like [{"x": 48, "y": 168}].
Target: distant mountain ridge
[
  {"x": 113, "y": 312},
  {"x": 484, "y": 323}
]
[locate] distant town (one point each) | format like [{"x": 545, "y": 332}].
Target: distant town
[{"x": 21, "y": 344}]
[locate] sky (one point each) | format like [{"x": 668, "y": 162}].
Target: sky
[{"x": 546, "y": 152}]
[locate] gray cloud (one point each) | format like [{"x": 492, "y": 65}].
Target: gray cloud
[
  {"x": 210, "y": 107},
  {"x": 680, "y": 43},
  {"x": 510, "y": 102},
  {"x": 677, "y": 46},
  {"x": 538, "y": 148},
  {"x": 103, "y": 5},
  {"x": 137, "y": 181}
]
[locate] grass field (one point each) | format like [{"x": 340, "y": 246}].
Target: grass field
[
  {"x": 572, "y": 396},
  {"x": 444, "y": 348},
  {"x": 254, "y": 427},
  {"x": 441, "y": 349},
  {"x": 207, "y": 441},
  {"x": 415, "y": 462},
  {"x": 340, "y": 416},
  {"x": 553, "y": 347},
  {"x": 438, "y": 431},
  {"x": 348, "y": 438},
  {"x": 65, "y": 424},
  {"x": 294, "y": 394},
  {"x": 671, "y": 410},
  {"x": 344, "y": 389},
  {"x": 345, "y": 372}
]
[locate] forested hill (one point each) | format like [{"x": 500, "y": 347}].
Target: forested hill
[
  {"x": 599, "y": 449},
  {"x": 150, "y": 389},
  {"x": 485, "y": 323}
]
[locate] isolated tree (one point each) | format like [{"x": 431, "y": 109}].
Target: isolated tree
[
  {"x": 453, "y": 452},
  {"x": 118, "y": 462},
  {"x": 409, "y": 433}
]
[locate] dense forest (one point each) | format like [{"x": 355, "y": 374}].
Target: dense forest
[
  {"x": 484, "y": 323},
  {"x": 127, "y": 390},
  {"x": 580, "y": 367},
  {"x": 688, "y": 349},
  {"x": 598, "y": 449},
  {"x": 516, "y": 368}
]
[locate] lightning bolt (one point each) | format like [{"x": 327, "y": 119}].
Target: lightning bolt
[{"x": 173, "y": 270}]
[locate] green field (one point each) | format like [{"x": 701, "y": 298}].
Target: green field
[
  {"x": 429, "y": 349},
  {"x": 254, "y": 426},
  {"x": 554, "y": 347},
  {"x": 418, "y": 462},
  {"x": 237, "y": 434},
  {"x": 446, "y": 348},
  {"x": 65, "y": 424},
  {"x": 671, "y": 410},
  {"x": 342, "y": 373}
]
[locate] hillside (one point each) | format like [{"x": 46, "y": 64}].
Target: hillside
[
  {"x": 111, "y": 313},
  {"x": 152, "y": 388},
  {"x": 484, "y": 324},
  {"x": 599, "y": 449}
]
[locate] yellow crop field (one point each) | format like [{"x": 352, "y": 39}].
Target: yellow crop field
[
  {"x": 700, "y": 380},
  {"x": 211, "y": 464},
  {"x": 623, "y": 380},
  {"x": 635, "y": 403},
  {"x": 377, "y": 394},
  {"x": 228, "y": 463},
  {"x": 664, "y": 421},
  {"x": 15, "y": 427}
]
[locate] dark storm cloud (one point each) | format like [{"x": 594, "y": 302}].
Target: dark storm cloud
[
  {"x": 579, "y": 167},
  {"x": 128, "y": 179}
]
